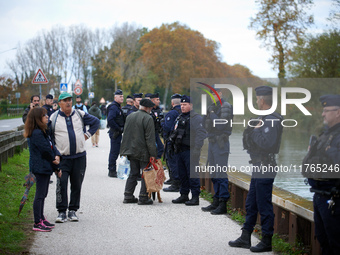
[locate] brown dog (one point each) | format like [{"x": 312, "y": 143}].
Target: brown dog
[{"x": 154, "y": 196}]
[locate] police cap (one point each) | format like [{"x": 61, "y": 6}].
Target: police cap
[
  {"x": 330, "y": 100},
  {"x": 138, "y": 95},
  {"x": 148, "y": 94},
  {"x": 156, "y": 95},
  {"x": 129, "y": 97},
  {"x": 146, "y": 103},
  {"x": 185, "y": 99},
  {"x": 118, "y": 92},
  {"x": 264, "y": 91},
  {"x": 176, "y": 96},
  {"x": 49, "y": 96}
]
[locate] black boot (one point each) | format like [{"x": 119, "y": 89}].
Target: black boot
[
  {"x": 221, "y": 209},
  {"x": 174, "y": 187},
  {"x": 168, "y": 182},
  {"x": 264, "y": 245},
  {"x": 181, "y": 200},
  {"x": 211, "y": 207},
  {"x": 112, "y": 174},
  {"x": 243, "y": 241},
  {"x": 193, "y": 201}
]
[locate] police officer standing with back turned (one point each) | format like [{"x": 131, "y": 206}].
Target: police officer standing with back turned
[
  {"x": 218, "y": 151},
  {"x": 115, "y": 120},
  {"x": 157, "y": 115},
  {"x": 188, "y": 126},
  {"x": 324, "y": 151},
  {"x": 262, "y": 143},
  {"x": 168, "y": 125}
]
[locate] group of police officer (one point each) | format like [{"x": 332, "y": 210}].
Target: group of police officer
[{"x": 184, "y": 131}]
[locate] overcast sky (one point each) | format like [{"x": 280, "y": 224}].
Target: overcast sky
[{"x": 225, "y": 22}]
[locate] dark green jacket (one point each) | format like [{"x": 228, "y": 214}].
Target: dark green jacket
[
  {"x": 95, "y": 111},
  {"x": 139, "y": 140}
]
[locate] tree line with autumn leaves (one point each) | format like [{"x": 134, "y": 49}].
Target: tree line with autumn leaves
[{"x": 165, "y": 58}]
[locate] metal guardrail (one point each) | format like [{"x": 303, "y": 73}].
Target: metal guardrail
[
  {"x": 10, "y": 142},
  {"x": 293, "y": 214},
  {"x": 18, "y": 111}
]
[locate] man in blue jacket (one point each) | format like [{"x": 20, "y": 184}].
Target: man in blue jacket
[
  {"x": 168, "y": 126},
  {"x": 115, "y": 121}
]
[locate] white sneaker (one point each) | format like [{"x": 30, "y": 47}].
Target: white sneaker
[
  {"x": 72, "y": 216},
  {"x": 61, "y": 218}
]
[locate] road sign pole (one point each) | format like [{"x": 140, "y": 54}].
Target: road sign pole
[{"x": 40, "y": 90}]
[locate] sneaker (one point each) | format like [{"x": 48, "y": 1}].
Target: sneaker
[
  {"x": 61, "y": 217},
  {"x": 72, "y": 215},
  {"x": 41, "y": 227},
  {"x": 48, "y": 224}
]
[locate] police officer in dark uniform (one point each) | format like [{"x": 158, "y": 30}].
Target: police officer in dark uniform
[
  {"x": 188, "y": 126},
  {"x": 49, "y": 105},
  {"x": 262, "y": 143},
  {"x": 115, "y": 121},
  {"x": 324, "y": 151},
  {"x": 218, "y": 151},
  {"x": 128, "y": 106},
  {"x": 158, "y": 116},
  {"x": 137, "y": 97},
  {"x": 168, "y": 126},
  {"x": 148, "y": 95}
]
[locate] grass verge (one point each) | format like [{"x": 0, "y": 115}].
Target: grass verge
[
  {"x": 16, "y": 233},
  {"x": 279, "y": 244}
]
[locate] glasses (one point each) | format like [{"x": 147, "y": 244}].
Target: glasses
[
  {"x": 46, "y": 115},
  {"x": 325, "y": 111}
]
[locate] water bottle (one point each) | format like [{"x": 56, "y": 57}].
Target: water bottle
[{"x": 123, "y": 168}]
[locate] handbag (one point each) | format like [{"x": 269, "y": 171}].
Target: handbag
[{"x": 154, "y": 176}]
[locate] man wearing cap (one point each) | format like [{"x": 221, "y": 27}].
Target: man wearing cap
[
  {"x": 148, "y": 95},
  {"x": 158, "y": 116},
  {"x": 139, "y": 145},
  {"x": 218, "y": 150},
  {"x": 188, "y": 126},
  {"x": 128, "y": 106},
  {"x": 49, "y": 105},
  {"x": 262, "y": 143},
  {"x": 79, "y": 105},
  {"x": 115, "y": 121},
  {"x": 137, "y": 97},
  {"x": 325, "y": 151},
  {"x": 168, "y": 126},
  {"x": 68, "y": 129}
]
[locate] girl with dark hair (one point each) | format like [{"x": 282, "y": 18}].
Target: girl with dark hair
[{"x": 44, "y": 159}]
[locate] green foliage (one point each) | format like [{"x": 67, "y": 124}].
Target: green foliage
[
  {"x": 317, "y": 56},
  {"x": 283, "y": 247},
  {"x": 14, "y": 231},
  {"x": 280, "y": 24}
]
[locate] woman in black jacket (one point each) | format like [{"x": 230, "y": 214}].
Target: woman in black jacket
[{"x": 44, "y": 159}]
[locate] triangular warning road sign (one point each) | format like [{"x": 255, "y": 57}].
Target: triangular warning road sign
[
  {"x": 39, "y": 78},
  {"x": 78, "y": 84}
]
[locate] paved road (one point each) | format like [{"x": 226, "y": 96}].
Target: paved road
[
  {"x": 10, "y": 124},
  {"x": 107, "y": 226}
]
